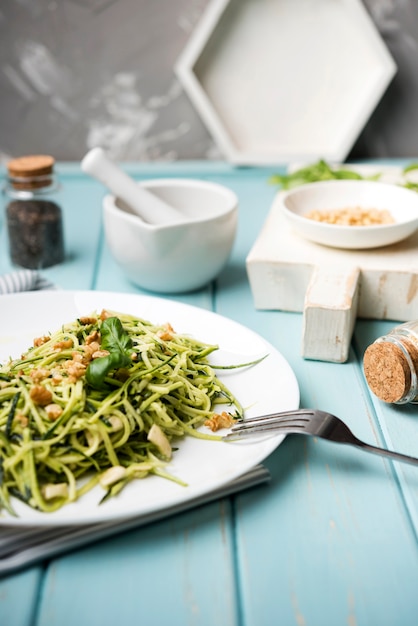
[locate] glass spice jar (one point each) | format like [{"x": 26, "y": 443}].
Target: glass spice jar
[
  {"x": 33, "y": 214},
  {"x": 391, "y": 365}
]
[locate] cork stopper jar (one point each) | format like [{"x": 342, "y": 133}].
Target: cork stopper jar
[
  {"x": 33, "y": 212},
  {"x": 391, "y": 365},
  {"x": 31, "y": 172}
]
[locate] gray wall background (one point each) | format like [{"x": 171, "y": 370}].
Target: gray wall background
[{"x": 79, "y": 73}]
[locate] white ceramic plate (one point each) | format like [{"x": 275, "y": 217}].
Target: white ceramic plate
[
  {"x": 204, "y": 465},
  {"x": 402, "y": 203},
  {"x": 281, "y": 80}
]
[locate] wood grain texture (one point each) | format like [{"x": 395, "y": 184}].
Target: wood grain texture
[
  {"x": 332, "y": 540},
  {"x": 330, "y": 312},
  {"x": 331, "y": 286},
  {"x": 280, "y": 257}
]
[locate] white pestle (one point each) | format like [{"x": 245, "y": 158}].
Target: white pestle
[{"x": 145, "y": 204}]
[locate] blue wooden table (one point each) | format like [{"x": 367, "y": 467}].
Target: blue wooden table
[{"x": 333, "y": 539}]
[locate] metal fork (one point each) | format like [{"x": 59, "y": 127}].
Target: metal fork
[{"x": 309, "y": 422}]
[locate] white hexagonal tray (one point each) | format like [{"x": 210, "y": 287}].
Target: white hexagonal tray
[{"x": 282, "y": 80}]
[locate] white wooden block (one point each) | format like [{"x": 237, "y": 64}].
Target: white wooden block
[
  {"x": 330, "y": 312},
  {"x": 281, "y": 264}
]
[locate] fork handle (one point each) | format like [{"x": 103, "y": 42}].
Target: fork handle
[{"x": 396, "y": 456}]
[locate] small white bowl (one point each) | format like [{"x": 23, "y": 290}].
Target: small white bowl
[
  {"x": 180, "y": 257},
  {"x": 402, "y": 204}
]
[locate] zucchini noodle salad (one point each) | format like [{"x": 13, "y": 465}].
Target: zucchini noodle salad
[{"x": 102, "y": 400}]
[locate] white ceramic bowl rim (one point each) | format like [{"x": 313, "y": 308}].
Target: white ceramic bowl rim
[
  {"x": 409, "y": 193},
  {"x": 401, "y": 202},
  {"x": 178, "y": 257},
  {"x": 231, "y": 203}
]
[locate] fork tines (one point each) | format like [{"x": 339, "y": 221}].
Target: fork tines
[
  {"x": 283, "y": 421},
  {"x": 282, "y": 415}
]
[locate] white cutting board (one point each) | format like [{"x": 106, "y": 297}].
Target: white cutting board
[{"x": 332, "y": 287}]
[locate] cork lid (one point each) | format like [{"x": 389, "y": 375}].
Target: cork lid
[
  {"x": 387, "y": 371},
  {"x": 32, "y": 165},
  {"x": 31, "y": 172}
]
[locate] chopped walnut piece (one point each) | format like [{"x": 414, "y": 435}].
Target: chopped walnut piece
[
  {"x": 57, "y": 378},
  {"x": 77, "y": 356},
  {"x": 166, "y": 333},
  {"x": 75, "y": 369},
  {"x": 39, "y": 341},
  {"x": 87, "y": 358},
  {"x": 87, "y": 320},
  {"x": 99, "y": 353},
  {"x": 219, "y": 420},
  {"x": 38, "y": 374},
  {"x": 63, "y": 345},
  {"x": 91, "y": 348},
  {"x": 105, "y": 314},
  {"x": 94, "y": 336},
  {"x": 40, "y": 395},
  {"x": 53, "y": 411}
]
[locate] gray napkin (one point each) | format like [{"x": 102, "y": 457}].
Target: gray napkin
[
  {"x": 21, "y": 547},
  {"x": 23, "y": 280}
]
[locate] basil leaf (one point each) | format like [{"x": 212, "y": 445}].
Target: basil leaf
[
  {"x": 118, "y": 343},
  {"x": 114, "y": 336},
  {"x": 315, "y": 172},
  {"x": 410, "y": 168},
  {"x": 99, "y": 368}
]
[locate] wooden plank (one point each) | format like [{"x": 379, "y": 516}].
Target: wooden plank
[
  {"x": 19, "y": 596},
  {"x": 332, "y": 540},
  {"x": 157, "y": 570},
  {"x": 312, "y": 546},
  {"x": 397, "y": 424},
  {"x": 179, "y": 571}
]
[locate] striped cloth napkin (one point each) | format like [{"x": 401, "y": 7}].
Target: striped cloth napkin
[{"x": 23, "y": 280}]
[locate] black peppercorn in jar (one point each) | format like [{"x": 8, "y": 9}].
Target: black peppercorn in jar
[{"x": 33, "y": 215}]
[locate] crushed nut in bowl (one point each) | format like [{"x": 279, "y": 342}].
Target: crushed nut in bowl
[{"x": 352, "y": 216}]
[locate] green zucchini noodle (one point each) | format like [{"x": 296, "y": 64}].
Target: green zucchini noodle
[{"x": 80, "y": 409}]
